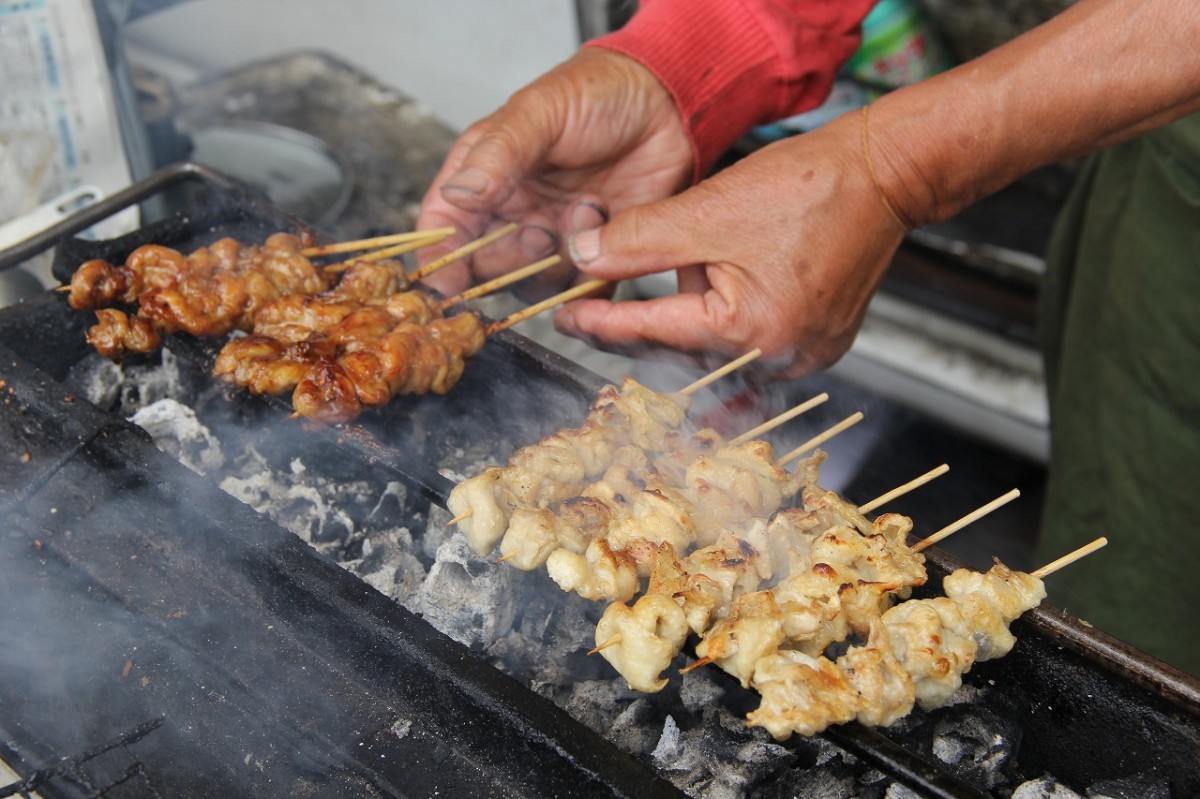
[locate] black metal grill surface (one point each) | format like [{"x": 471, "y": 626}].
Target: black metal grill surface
[{"x": 160, "y": 638}]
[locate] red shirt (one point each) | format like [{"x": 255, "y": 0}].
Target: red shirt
[{"x": 734, "y": 64}]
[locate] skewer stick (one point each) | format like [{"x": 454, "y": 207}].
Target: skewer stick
[
  {"x": 954, "y": 527},
  {"x": 461, "y": 517},
  {"x": 503, "y": 558},
  {"x": 818, "y": 440},
  {"x": 357, "y": 245},
  {"x": 724, "y": 370},
  {"x": 463, "y": 251},
  {"x": 537, "y": 308},
  {"x": 904, "y": 489},
  {"x": 616, "y": 639},
  {"x": 515, "y": 276},
  {"x": 63, "y": 288},
  {"x": 704, "y": 661},
  {"x": 1069, "y": 558},
  {"x": 771, "y": 424},
  {"x": 379, "y": 255}
]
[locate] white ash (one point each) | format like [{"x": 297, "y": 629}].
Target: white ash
[
  {"x": 388, "y": 565},
  {"x": 298, "y": 502},
  {"x": 466, "y": 597},
  {"x": 126, "y": 388},
  {"x": 401, "y": 728},
  {"x": 1044, "y": 788},
  {"x": 979, "y": 745},
  {"x": 1130, "y": 788},
  {"x": 176, "y": 431},
  {"x": 697, "y": 690}
]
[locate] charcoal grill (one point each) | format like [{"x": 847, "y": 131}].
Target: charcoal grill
[{"x": 160, "y": 638}]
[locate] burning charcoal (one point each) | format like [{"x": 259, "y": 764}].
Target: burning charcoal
[
  {"x": 1044, "y": 788},
  {"x": 389, "y": 566},
  {"x": 466, "y": 597},
  {"x": 1130, "y": 788},
  {"x": 697, "y": 690},
  {"x": 637, "y": 728},
  {"x": 177, "y": 432},
  {"x": 720, "y": 757},
  {"x": 301, "y": 508},
  {"x": 100, "y": 381},
  {"x": 977, "y": 743},
  {"x": 817, "y": 784},
  {"x": 596, "y": 703},
  {"x": 436, "y": 534},
  {"x": 898, "y": 791}
]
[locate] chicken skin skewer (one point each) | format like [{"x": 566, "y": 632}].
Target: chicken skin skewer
[{"x": 916, "y": 653}]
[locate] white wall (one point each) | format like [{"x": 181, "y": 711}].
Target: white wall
[{"x": 462, "y": 58}]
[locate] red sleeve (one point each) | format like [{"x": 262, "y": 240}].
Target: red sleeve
[{"x": 734, "y": 64}]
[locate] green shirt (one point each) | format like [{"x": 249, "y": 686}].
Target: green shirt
[{"x": 1120, "y": 313}]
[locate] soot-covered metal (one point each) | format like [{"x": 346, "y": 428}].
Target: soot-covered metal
[{"x": 274, "y": 609}]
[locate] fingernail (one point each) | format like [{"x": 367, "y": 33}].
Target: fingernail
[
  {"x": 587, "y": 215},
  {"x": 469, "y": 181},
  {"x": 585, "y": 246},
  {"x": 537, "y": 241}
]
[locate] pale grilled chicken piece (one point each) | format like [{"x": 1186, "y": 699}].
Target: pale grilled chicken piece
[
  {"x": 642, "y": 640},
  {"x": 884, "y": 688},
  {"x": 486, "y": 521},
  {"x": 697, "y": 594},
  {"x": 540, "y": 475},
  {"x": 931, "y": 638},
  {"x": 801, "y": 694},
  {"x": 598, "y": 574},
  {"x": 752, "y": 630},
  {"x": 989, "y": 601},
  {"x": 533, "y": 535}
]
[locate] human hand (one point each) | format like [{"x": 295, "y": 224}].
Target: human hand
[
  {"x": 596, "y": 135},
  {"x": 781, "y": 251}
]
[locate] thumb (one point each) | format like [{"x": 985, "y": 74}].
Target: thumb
[
  {"x": 503, "y": 148},
  {"x": 637, "y": 241}
]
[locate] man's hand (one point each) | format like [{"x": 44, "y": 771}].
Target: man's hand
[
  {"x": 596, "y": 135},
  {"x": 782, "y": 251}
]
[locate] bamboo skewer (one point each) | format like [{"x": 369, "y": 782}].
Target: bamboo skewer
[
  {"x": 974, "y": 515},
  {"x": 389, "y": 252},
  {"x": 937, "y": 471},
  {"x": 616, "y": 639},
  {"x": 771, "y": 424},
  {"x": 496, "y": 284},
  {"x": 1069, "y": 558},
  {"x": 818, "y": 440},
  {"x": 719, "y": 373},
  {"x": 358, "y": 245},
  {"x": 537, "y": 308},
  {"x": 461, "y": 252}
]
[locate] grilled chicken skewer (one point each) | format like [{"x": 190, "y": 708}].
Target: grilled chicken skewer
[
  {"x": 347, "y": 350},
  {"x": 807, "y": 577},
  {"x": 561, "y": 466},
  {"x": 916, "y": 653},
  {"x": 210, "y": 292}
]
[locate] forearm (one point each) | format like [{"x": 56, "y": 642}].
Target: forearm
[
  {"x": 1100, "y": 73},
  {"x": 733, "y": 64}
]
